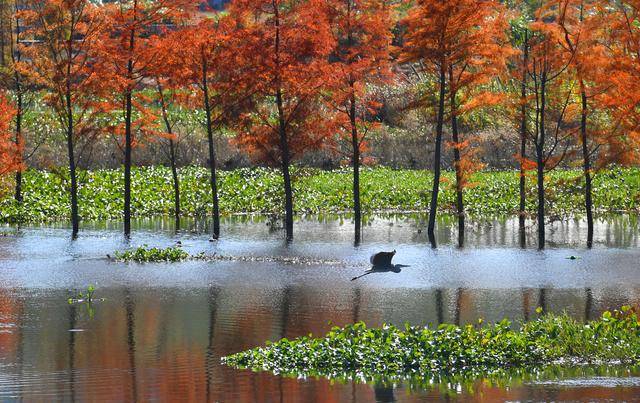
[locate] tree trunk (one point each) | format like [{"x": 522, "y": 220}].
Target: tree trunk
[
  {"x": 587, "y": 167},
  {"x": 128, "y": 135},
  {"x": 18, "y": 192},
  {"x": 523, "y": 198},
  {"x": 127, "y": 166},
  {"x": 355, "y": 142},
  {"x": 284, "y": 141},
  {"x": 176, "y": 183},
  {"x": 541, "y": 164},
  {"x": 457, "y": 160},
  {"x": 284, "y": 150},
  {"x": 172, "y": 155},
  {"x": 212, "y": 150},
  {"x": 18, "y": 142},
  {"x": 75, "y": 220},
  {"x": 541, "y": 198},
  {"x": 433, "y": 206},
  {"x": 523, "y": 145}
]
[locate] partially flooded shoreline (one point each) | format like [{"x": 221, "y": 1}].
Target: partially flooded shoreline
[{"x": 617, "y": 230}]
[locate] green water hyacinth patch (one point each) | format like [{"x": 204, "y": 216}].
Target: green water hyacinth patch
[
  {"x": 391, "y": 353},
  {"x": 259, "y": 191},
  {"x": 144, "y": 254}
]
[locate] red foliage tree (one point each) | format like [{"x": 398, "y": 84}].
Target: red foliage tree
[
  {"x": 206, "y": 58},
  {"x": 65, "y": 38},
  {"x": 462, "y": 43},
  {"x": 552, "y": 89},
  {"x": 286, "y": 45},
  {"x": 519, "y": 106},
  {"x": 16, "y": 83},
  {"x": 362, "y": 33},
  {"x": 126, "y": 57},
  {"x": 584, "y": 25},
  {"x": 9, "y": 151},
  {"x": 623, "y": 78},
  {"x": 169, "y": 90}
]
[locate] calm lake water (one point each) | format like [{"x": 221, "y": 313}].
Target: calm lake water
[{"x": 162, "y": 328}]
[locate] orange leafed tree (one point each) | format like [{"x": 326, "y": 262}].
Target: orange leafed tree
[
  {"x": 552, "y": 88},
  {"x": 125, "y": 61},
  {"x": 623, "y": 76},
  {"x": 362, "y": 33},
  {"x": 463, "y": 44},
  {"x": 170, "y": 89},
  {"x": 517, "y": 103},
  {"x": 584, "y": 26},
  {"x": 286, "y": 45},
  {"x": 206, "y": 59},
  {"x": 9, "y": 151},
  {"x": 16, "y": 83},
  {"x": 65, "y": 36}
]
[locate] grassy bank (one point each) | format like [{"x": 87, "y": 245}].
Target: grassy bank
[
  {"x": 259, "y": 191},
  {"x": 360, "y": 352}
]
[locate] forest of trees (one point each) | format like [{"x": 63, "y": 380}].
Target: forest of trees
[{"x": 284, "y": 78}]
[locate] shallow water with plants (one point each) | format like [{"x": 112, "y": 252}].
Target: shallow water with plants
[
  {"x": 259, "y": 191},
  {"x": 448, "y": 350},
  {"x": 158, "y": 331}
]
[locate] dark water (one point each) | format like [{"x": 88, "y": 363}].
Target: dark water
[{"x": 162, "y": 328}]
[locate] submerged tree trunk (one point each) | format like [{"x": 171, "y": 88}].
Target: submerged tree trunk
[
  {"x": 541, "y": 198},
  {"x": 523, "y": 145},
  {"x": 212, "y": 150},
  {"x": 433, "y": 206},
  {"x": 522, "y": 206},
  {"x": 128, "y": 134},
  {"x": 523, "y": 198},
  {"x": 127, "y": 166},
  {"x": 587, "y": 167},
  {"x": 355, "y": 143},
  {"x": 75, "y": 220},
  {"x": 176, "y": 182},
  {"x": 15, "y": 58},
  {"x": 286, "y": 174},
  {"x": 19, "y": 141},
  {"x": 172, "y": 156},
  {"x": 540, "y": 162},
  {"x": 457, "y": 161},
  {"x": 284, "y": 141}
]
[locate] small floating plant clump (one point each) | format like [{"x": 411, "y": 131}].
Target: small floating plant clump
[
  {"x": 359, "y": 352},
  {"x": 83, "y": 297},
  {"x": 144, "y": 254}
]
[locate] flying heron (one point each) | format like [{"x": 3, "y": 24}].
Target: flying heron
[{"x": 381, "y": 262}]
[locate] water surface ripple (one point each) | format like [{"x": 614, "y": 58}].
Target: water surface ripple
[{"x": 162, "y": 328}]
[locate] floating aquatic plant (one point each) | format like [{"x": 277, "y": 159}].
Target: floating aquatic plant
[
  {"x": 144, "y": 254},
  {"x": 359, "y": 352},
  {"x": 83, "y": 297},
  {"x": 259, "y": 190}
]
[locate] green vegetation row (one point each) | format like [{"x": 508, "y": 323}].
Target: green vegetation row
[
  {"x": 258, "y": 190},
  {"x": 359, "y": 352},
  {"x": 144, "y": 254}
]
